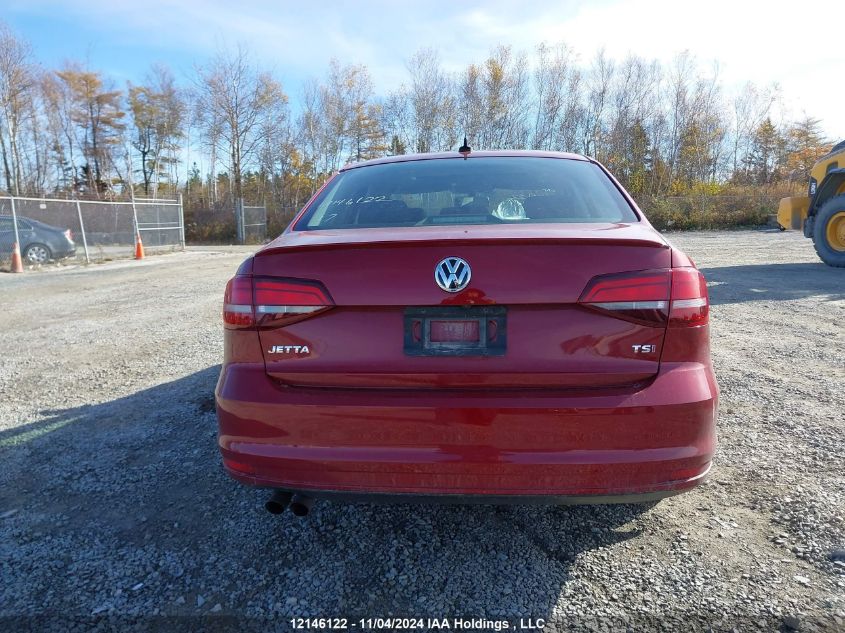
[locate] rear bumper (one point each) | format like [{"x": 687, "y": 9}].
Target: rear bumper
[
  {"x": 487, "y": 499},
  {"x": 62, "y": 249},
  {"x": 609, "y": 446},
  {"x": 67, "y": 250}
]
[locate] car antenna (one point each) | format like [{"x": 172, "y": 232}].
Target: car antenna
[{"x": 464, "y": 149}]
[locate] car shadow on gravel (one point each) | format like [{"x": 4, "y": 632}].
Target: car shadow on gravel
[
  {"x": 122, "y": 509},
  {"x": 773, "y": 282}
]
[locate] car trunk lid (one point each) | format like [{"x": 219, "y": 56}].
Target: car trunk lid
[{"x": 517, "y": 324}]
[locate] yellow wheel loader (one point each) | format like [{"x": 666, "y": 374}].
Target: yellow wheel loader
[{"x": 821, "y": 213}]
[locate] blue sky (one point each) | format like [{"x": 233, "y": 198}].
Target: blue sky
[{"x": 759, "y": 41}]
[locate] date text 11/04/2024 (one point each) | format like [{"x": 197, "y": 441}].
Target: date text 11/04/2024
[{"x": 409, "y": 624}]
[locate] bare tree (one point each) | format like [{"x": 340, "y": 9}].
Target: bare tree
[
  {"x": 506, "y": 95},
  {"x": 17, "y": 84},
  {"x": 235, "y": 103},
  {"x": 310, "y": 126},
  {"x": 599, "y": 83},
  {"x": 60, "y": 129},
  {"x": 751, "y": 106},
  {"x": 396, "y": 121},
  {"x": 680, "y": 75},
  {"x": 433, "y": 103},
  {"x": 553, "y": 86},
  {"x": 472, "y": 107},
  {"x": 341, "y": 121},
  {"x": 352, "y": 120}
]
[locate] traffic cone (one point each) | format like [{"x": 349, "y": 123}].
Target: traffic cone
[
  {"x": 17, "y": 262},
  {"x": 139, "y": 247}
]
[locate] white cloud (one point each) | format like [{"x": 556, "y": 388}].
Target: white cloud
[{"x": 763, "y": 42}]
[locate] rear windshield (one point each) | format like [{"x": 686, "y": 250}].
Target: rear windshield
[{"x": 481, "y": 190}]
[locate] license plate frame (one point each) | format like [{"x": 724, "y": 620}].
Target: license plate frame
[{"x": 492, "y": 328}]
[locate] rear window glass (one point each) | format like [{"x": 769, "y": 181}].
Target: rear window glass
[
  {"x": 6, "y": 224},
  {"x": 482, "y": 190}
]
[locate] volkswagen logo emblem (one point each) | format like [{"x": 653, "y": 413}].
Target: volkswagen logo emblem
[{"x": 452, "y": 274}]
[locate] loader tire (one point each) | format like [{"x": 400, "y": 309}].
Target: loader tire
[{"x": 829, "y": 232}]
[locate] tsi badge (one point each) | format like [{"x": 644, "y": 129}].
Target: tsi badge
[
  {"x": 644, "y": 349},
  {"x": 297, "y": 350}
]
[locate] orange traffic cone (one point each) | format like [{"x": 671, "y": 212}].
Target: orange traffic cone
[
  {"x": 139, "y": 247},
  {"x": 17, "y": 263}
]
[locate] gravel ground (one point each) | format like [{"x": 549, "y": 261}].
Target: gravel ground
[{"x": 115, "y": 513}]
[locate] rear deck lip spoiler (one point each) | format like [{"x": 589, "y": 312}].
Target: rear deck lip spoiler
[{"x": 461, "y": 241}]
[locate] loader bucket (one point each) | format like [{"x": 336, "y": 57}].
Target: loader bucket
[{"x": 792, "y": 212}]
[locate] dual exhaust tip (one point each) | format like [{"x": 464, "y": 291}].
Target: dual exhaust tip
[{"x": 299, "y": 504}]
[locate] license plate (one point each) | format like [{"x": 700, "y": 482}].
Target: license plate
[{"x": 456, "y": 331}]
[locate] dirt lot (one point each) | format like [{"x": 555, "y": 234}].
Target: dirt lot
[{"x": 114, "y": 511}]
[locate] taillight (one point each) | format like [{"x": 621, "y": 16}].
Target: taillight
[
  {"x": 641, "y": 296},
  {"x": 69, "y": 235},
  {"x": 268, "y": 302},
  {"x": 676, "y": 296},
  {"x": 281, "y": 301},
  {"x": 237, "y": 303},
  {"x": 690, "y": 304}
]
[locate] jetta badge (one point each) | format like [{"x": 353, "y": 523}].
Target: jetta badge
[{"x": 452, "y": 274}]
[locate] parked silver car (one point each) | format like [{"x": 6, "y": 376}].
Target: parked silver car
[{"x": 39, "y": 242}]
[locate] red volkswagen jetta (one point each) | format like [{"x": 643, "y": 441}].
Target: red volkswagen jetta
[{"x": 493, "y": 326}]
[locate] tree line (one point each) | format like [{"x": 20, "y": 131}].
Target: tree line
[{"x": 229, "y": 131}]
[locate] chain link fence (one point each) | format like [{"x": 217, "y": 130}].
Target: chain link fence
[
  {"x": 50, "y": 229},
  {"x": 226, "y": 223},
  {"x": 250, "y": 223},
  {"x": 254, "y": 225}
]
